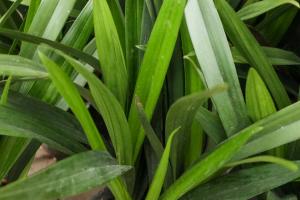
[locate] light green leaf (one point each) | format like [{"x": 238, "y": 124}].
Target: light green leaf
[
  {"x": 111, "y": 111},
  {"x": 72, "y": 176},
  {"x": 155, "y": 64},
  {"x": 18, "y": 66},
  {"x": 161, "y": 171},
  {"x": 258, "y": 99},
  {"x": 110, "y": 51},
  {"x": 66, "y": 88},
  {"x": 214, "y": 56},
  {"x": 245, "y": 42}
]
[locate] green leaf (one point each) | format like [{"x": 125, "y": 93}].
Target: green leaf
[
  {"x": 279, "y": 161},
  {"x": 279, "y": 128},
  {"x": 211, "y": 124},
  {"x": 111, "y": 111},
  {"x": 214, "y": 56},
  {"x": 209, "y": 165},
  {"x": 275, "y": 56},
  {"x": 245, "y": 184},
  {"x": 258, "y": 99},
  {"x": 69, "y": 177},
  {"x": 9, "y": 12},
  {"x": 133, "y": 27},
  {"x": 46, "y": 123},
  {"x": 245, "y": 42},
  {"x": 261, "y": 7},
  {"x": 4, "y": 96},
  {"x": 110, "y": 51},
  {"x": 76, "y": 37},
  {"x": 276, "y": 24},
  {"x": 151, "y": 135},
  {"x": 181, "y": 114},
  {"x": 38, "y": 40},
  {"x": 13, "y": 147},
  {"x": 47, "y": 23},
  {"x": 18, "y": 66},
  {"x": 161, "y": 171},
  {"x": 66, "y": 88},
  {"x": 155, "y": 64}
]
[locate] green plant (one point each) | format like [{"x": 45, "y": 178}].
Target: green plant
[{"x": 165, "y": 81}]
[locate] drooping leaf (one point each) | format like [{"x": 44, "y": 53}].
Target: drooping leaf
[
  {"x": 209, "y": 165},
  {"x": 18, "y": 66},
  {"x": 69, "y": 177},
  {"x": 271, "y": 159},
  {"x": 46, "y": 123},
  {"x": 275, "y": 56},
  {"x": 112, "y": 113},
  {"x": 245, "y": 184},
  {"x": 69, "y": 91},
  {"x": 211, "y": 124},
  {"x": 258, "y": 8},
  {"x": 65, "y": 86}
]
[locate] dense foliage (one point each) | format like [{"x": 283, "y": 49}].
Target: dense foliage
[{"x": 155, "y": 99}]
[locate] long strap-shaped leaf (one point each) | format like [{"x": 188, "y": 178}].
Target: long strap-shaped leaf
[
  {"x": 276, "y": 56},
  {"x": 38, "y": 40},
  {"x": 209, "y": 165},
  {"x": 21, "y": 67},
  {"x": 181, "y": 114},
  {"x": 245, "y": 42},
  {"x": 279, "y": 128},
  {"x": 110, "y": 51},
  {"x": 258, "y": 8},
  {"x": 69, "y": 91},
  {"x": 161, "y": 171},
  {"x": 214, "y": 56},
  {"x": 155, "y": 64},
  {"x": 112, "y": 113},
  {"x": 47, "y": 123},
  {"x": 72, "y": 176},
  {"x": 133, "y": 18},
  {"x": 245, "y": 184}
]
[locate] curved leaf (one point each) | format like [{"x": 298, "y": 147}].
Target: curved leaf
[{"x": 71, "y": 176}]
